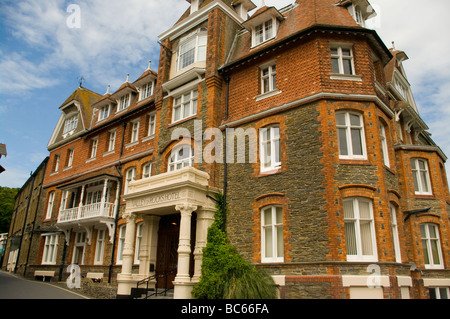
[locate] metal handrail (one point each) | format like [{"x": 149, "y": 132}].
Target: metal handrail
[{"x": 157, "y": 277}]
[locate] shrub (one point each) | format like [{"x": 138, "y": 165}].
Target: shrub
[{"x": 225, "y": 273}]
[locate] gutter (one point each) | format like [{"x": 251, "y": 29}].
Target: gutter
[{"x": 305, "y": 32}]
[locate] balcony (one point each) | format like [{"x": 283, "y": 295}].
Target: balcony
[{"x": 87, "y": 212}]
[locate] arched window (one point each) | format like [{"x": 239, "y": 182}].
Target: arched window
[
  {"x": 359, "y": 229},
  {"x": 181, "y": 156},
  {"x": 272, "y": 246}
]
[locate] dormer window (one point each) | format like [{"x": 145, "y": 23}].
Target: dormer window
[
  {"x": 263, "y": 32},
  {"x": 146, "y": 91},
  {"x": 192, "y": 50},
  {"x": 124, "y": 102},
  {"x": 104, "y": 112},
  {"x": 71, "y": 124},
  {"x": 263, "y": 25},
  {"x": 360, "y": 10}
]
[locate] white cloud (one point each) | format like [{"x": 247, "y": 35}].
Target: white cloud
[{"x": 112, "y": 37}]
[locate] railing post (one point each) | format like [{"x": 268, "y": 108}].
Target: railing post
[
  {"x": 80, "y": 206},
  {"x": 102, "y": 205}
]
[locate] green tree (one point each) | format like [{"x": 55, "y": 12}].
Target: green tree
[
  {"x": 225, "y": 273},
  {"x": 7, "y": 199}
]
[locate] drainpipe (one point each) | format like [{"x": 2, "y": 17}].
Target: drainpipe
[{"x": 225, "y": 165}]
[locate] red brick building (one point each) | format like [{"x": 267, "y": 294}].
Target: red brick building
[{"x": 338, "y": 191}]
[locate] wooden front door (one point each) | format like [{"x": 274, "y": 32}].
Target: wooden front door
[{"x": 167, "y": 259}]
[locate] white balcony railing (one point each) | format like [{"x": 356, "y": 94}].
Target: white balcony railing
[{"x": 86, "y": 212}]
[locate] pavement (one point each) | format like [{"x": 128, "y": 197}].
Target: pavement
[{"x": 15, "y": 287}]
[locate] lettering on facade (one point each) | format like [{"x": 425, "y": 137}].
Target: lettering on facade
[{"x": 152, "y": 200}]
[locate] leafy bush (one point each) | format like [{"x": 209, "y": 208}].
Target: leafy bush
[{"x": 225, "y": 273}]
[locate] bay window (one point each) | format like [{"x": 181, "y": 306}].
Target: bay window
[{"x": 192, "y": 50}]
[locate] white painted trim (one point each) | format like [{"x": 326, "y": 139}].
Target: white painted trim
[
  {"x": 362, "y": 281},
  {"x": 436, "y": 282},
  {"x": 197, "y": 18},
  {"x": 404, "y": 281}
]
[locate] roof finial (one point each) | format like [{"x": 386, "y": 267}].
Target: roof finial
[
  {"x": 81, "y": 80},
  {"x": 149, "y": 64},
  {"x": 393, "y": 45},
  {"x": 108, "y": 90},
  {"x": 128, "y": 78},
  {"x": 263, "y": 4}
]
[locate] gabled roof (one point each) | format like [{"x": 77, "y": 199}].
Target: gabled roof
[
  {"x": 299, "y": 18},
  {"x": 81, "y": 100}
]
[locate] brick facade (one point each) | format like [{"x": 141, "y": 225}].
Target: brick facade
[{"x": 311, "y": 184}]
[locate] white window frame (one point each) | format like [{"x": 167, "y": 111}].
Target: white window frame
[
  {"x": 94, "y": 147},
  {"x": 151, "y": 124},
  {"x": 112, "y": 141},
  {"x": 274, "y": 228},
  {"x": 138, "y": 242},
  {"x": 121, "y": 240},
  {"x": 80, "y": 241},
  {"x": 340, "y": 57},
  {"x": 437, "y": 292},
  {"x": 70, "y": 157},
  {"x": 395, "y": 234},
  {"x": 135, "y": 131},
  {"x": 147, "y": 170},
  {"x": 348, "y": 136},
  {"x": 123, "y": 102},
  {"x": 197, "y": 43},
  {"x": 427, "y": 248},
  {"x": 384, "y": 145},
  {"x": 51, "y": 202},
  {"x": 269, "y": 78},
  {"x": 104, "y": 112},
  {"x": 176, "y": 162},
  {"x": 100, "y": 247},
  {"x": 357, "y": 221},
  {"x": 57, "y": 162},
  {"x": 129, "y": 177},
  {"x": 188, "y": 100},
  {"x": 50, "y": 249},
  {"x": 146, "y": 90},
  {"x": 70, "y": 124},
  {"x": 422, "y": 181},
  {"x": 261, "y": 34},
  {"x": 271, "y": 143}
]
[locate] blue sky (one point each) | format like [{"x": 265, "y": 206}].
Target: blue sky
[{"x": 42, "y": 59}]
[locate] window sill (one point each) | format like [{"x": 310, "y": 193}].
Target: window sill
[
  {"x": 267, "y": 95},
  {"x": 269, "y": 172},
  {"x": 345, "y": 77},
  {"x": 109, "y": 153},
  {"x": 54, "y": 173},
  {"x": 346, "y": 161},
  {"x": 183, "y": 120},
  {"x": 90, "y": 160},
  {"x": 424, "y": 196},
  {"x": 132, "y": 144},
  {"x": 148, "y": 138},
  {"x": 67, "y": 168}
]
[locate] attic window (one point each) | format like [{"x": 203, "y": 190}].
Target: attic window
[
  {"x": 264, "y": 32},
  {"x": 71, "y": 124},
  {"x": 124, "y": 102}
]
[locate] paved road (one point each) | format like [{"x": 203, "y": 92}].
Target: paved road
[{"x": 15, "y": 287}]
